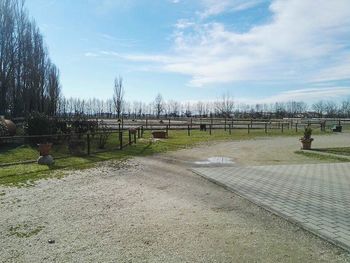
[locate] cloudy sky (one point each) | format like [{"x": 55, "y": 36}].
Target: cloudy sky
[{"x": 257, "y": 50}]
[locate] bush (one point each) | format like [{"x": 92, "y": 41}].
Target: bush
[
  {"x": 40, "y": 124},
  {"x": 105, "y": 132},
  {"x": 307, "y": 132}
]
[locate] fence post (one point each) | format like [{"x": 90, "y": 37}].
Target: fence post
[
  {"x": 248, "y": 128},
  {"x": 296, "y": 127},
  {"x": 142, "y": 131},
  {"x": 130, "y": 142},
  {"x": 188, "y": 130},
  {"x": 210, "y": 129},
  {"x": 265, "y": 127},
  {"x": 225, "y": 124},
  {"x": 282, "y": 127},
  {"x": 138, "y": 133},
  {"x": 167, "y": 130},
  {"x": 135, "y": 137},
  {"x": 146, "y": 123},
  {"x": 229, "y": 127},
  {"x": 121, "y": 140},
  {"x": 169, "y": 123}
]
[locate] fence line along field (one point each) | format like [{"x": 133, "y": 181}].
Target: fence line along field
[{"x": 92, "y": 136}]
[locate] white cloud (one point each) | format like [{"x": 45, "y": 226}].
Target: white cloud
[
  {"x": 309, "y": 95},
  {"x": 215, "y": 7},
  {"x": 339, "y": 71},
  {"x": 298, "y": 42}
]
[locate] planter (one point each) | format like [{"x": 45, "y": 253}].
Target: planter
[
  {"x": 337, "y": 128},
  {"x": 10, "y": 126},
  {"x": 44, "y": 149},
  {"x": 159, "y": 134},
  {"x": 306, "y": 143}
]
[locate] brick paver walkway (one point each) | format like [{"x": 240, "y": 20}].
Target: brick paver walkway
[{"x": 316, "y": 196}]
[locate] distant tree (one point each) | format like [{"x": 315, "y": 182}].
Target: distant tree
[
  {"x": 200, "y": 108},
  {"x": 225, "y": 105},
  {"x": 188, "y": 109},
  {"x": 331, "y": 108},
  {"x": 118, "y": 96},
  {"x": 158, "y": 105},
  {"x": 319, "y": 107},
  {"x": 345, "y": 108}
]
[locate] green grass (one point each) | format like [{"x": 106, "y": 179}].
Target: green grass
[
  {"x": 322, "y": 157},
  {"x": 27, "y": 174},
  {"x": 338, "y": 150},
  {"x": 24, "y": 231}
]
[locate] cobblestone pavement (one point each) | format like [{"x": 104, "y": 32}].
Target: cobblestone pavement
[{"x": 315, "y": 196}]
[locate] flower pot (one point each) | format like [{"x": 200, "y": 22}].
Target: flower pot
[
  {"x": 44, "y": 148},
  {"x": 306, "y": 143}
]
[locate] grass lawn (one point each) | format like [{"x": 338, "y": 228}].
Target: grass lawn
[
  {"x": 27, "y": 174},
  {"x": 338, "y": 150}
]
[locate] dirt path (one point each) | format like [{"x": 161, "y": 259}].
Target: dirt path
[
  {"x": 154, "y": 210},
  {"x": 261, "y": 151}
]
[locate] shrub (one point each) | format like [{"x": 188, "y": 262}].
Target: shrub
[
  {"x": 105, "y": 132},
  {"x": 307, "y": 132},
  {"x": 40, "y": 124}
]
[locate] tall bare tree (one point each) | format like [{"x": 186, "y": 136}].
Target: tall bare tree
[
  {"x": 118, "y": 96},
  {"x": 158, "y": 105}
]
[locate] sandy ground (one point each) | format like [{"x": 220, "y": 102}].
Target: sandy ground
[{"x": 155, "y": 209}]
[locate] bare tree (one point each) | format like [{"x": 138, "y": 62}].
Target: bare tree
[
  {"x": 118, "y": 96},
  {"x": 200, "y": 107},
  {"x": 331, "y": 108},
  {"x": 225, "y": 105},
  {"x": 158, "y": 105},
  {"x": 319, "y": 107},
  {"x": 345, "y": 108}
]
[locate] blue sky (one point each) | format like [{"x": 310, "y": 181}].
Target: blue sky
[{"x": 256, "y": 50}]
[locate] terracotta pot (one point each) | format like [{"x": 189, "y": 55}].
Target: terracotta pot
[
  {"x": 44, "y": 148},
  {"x": 306, "y": 143},
  {"x": 159, "y": 135},
  {"x": 11, "y": 127}
]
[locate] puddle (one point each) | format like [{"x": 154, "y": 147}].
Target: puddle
[{"x": 216, "y": 160}]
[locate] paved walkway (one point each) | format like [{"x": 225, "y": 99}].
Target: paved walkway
[{"x": 316, "y": 196}]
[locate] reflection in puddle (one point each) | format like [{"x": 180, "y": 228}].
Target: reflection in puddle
[{"x": 216, "y": 160}]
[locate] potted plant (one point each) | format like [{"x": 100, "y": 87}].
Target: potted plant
[
  {"x": 306, "y": 140},
  {"x": 44, "y": 148}
]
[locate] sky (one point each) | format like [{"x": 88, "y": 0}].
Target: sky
[{"x": 258, "y": 51}]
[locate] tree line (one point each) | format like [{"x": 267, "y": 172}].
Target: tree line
[
  {"x": 29, "y": 81},
  {"x": 117, "y": 107}
]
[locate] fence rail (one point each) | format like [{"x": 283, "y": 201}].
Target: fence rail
[{"x": 120, "y": 135}]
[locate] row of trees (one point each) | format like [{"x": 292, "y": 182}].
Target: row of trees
[
  {"x": 29, "y": 81},
  {"x": 223, "y": 107}
]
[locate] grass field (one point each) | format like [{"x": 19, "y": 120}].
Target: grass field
[
  {"x": 27, "y": 174},
  {"x": 338, "y": 150}
]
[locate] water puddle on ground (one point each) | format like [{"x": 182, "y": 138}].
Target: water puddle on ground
[{"x": 216, "y": 160}]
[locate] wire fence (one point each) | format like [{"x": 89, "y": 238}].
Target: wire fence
[{"x": 65, "y": 145}]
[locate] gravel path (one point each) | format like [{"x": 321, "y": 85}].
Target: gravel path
[{"x": 155, "y": 209}]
